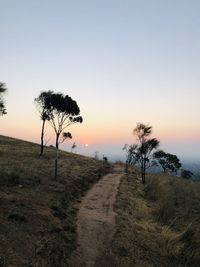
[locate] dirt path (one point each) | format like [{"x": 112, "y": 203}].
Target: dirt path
[{"x": 96, "y": 222}]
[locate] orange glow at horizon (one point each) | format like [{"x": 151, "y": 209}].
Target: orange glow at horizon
[{"x": 92, "y": 133}]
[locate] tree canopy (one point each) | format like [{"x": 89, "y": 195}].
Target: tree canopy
[
  {"x": 3, "y": 89},
  {"x": 64, "y": 112},
  {"x": 186, "y": 174},
  {"x": 167, "y": 161}
]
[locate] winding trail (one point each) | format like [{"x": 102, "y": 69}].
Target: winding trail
[{"x": 96, "y": 222}]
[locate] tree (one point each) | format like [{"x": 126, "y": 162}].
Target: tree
[
  {"x": 64, "y": 112},
  {"x": 43, "y": 103},
  {"x": 167, "y": 161},
  {"x": 105, "y": 159},
  {"x": 73, "y": 147},
  {"x": 3, "y": 89},
  {"x": 131, "y": 155},
  {"x": 186, "y": 174},
  {"x": 143, "y": 150}
]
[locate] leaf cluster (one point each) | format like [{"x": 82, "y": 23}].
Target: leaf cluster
[
  {"x": 167, "y": 161},
  {"x": 3, "y": 89}
]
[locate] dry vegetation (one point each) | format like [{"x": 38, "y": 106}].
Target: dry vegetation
[
  {"x": 157, "y": 225},
  {"x": 37, "y": 213}
]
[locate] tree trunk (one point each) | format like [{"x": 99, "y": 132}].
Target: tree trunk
[
  {"x": 56, "y": 165},
  {"x": 143, "y": 170},
  {"x": 56, "y": 159},
  {"x": 57, "y": 141},
  {"x": 126, "y": 167},
  {"x": 42, "y": 139}
]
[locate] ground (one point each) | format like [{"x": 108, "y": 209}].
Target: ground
[{"x": 96, "y": 222}]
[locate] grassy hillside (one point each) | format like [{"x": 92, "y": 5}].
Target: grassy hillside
[
  {"x": 37, "y": 213},
  {"x": 157, "y": 224}
]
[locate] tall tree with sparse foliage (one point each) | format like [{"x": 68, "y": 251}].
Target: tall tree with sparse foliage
[
  {"x": 64, "y": 112},
  {"x": 3, "y": 89},
  {"x": 144, "y": 148},
  {"x": 43, "y": 103}
]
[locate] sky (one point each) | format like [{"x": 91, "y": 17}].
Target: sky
[{"x": 123, "y": 61}]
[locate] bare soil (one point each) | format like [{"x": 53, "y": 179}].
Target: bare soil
[{"x": 96, "y": 222}]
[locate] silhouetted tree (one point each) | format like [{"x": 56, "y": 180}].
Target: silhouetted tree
[
  {"x": 143, "y": 150},
  {"x": 73, "y": 147},
  {"x": 167, "y": 161},
  {"x": 131, "y": 155},
  {"x": 186, "y": 174},
  {"x": 43, "y": 103},
  {"x": 105, "y": 159},
  {"x": 3, "y": 89},
  {"x": 64, "y": 112}
]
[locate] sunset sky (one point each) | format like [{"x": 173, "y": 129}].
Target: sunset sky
[{"x": 123, "y": 61}]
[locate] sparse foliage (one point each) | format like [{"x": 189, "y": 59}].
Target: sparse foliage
[
  {"x": 131, "y": 155},
  {"x": 43, "y": 103},
  {"x": 65, "y": 136},
  {"x": 142, "y": 152},
  {"x": 167, "y": 161},
  {"x": 64, "y": 112},
  {"x": 3, "y": 89}
]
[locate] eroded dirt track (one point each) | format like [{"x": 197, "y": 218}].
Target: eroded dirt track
[{"x": 96, "y": 222}]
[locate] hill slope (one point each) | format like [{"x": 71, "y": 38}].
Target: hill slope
[
  {"x": 37, "y": 214},
  {"x": 157, "y": 224}
]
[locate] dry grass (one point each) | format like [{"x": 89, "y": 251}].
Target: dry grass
[
  {"x": 157, "y": 225},
  {"x": 38, "y": 215}
]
